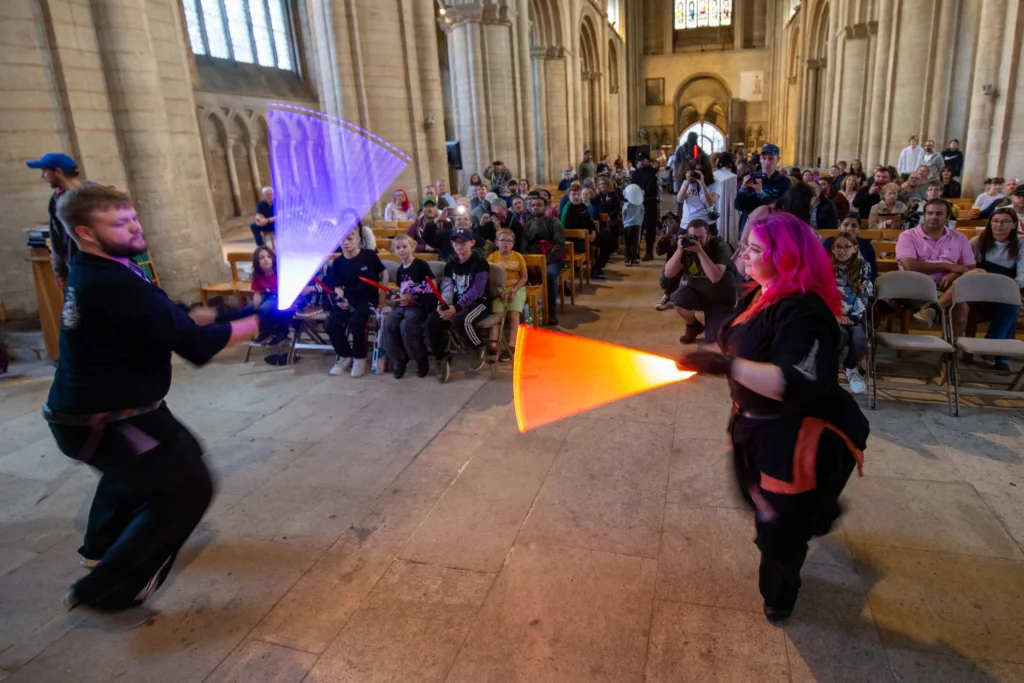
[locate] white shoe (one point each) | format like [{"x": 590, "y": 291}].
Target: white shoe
[
  {"x": 665, "y": 303},
  {"x": 857, "y": 384},
  {"x": 341, "y": 365},
  {"x": 358, "y": 367}
]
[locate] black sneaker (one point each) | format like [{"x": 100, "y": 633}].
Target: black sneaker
[
  {"x": 647, "y": 258},
  {"x": 1001, "y": 366},
  {"x": 444, "y": 369},
  {"x": 422, "y": 367},
  {"x": 552, "y": 321},
  {"x": 776, "y": 617},
  {"x": 277, "y": 359},
  {"x": 599, "y": 275},
  {"x": 504, "y": 357},
  {"x": 692, "y": 332},
  {"x": 400, "y": 368},
  {"x": 479, "y": 358}
]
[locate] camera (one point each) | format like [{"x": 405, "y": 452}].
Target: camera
[
  {"x": 693, "y": 176},
  {"x": 461, "y": 209},
  {"x": 686, "y": 241},
  {"x": 713, "y": 216},
  {"x": 758, "y": 176}
]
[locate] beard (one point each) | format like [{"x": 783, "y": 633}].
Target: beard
[{"x": 135, "y": 247}]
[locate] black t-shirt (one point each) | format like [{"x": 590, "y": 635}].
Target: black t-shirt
[
  {"x": 345, "y": 272},
  {"x": 720, "y": 253},
  {"x": 117, "y": 334},
  {"x": 265, "y": 209},
  {"x": 470, "y": 281},
  {"x": 413, "y": 280}
]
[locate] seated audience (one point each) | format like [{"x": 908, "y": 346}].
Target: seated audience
[
  {"x": 545, "y": 235},
  {"x": 518, "y": 217},
  {"x": 466, "y": 300},
  {"x": 851, "y": 224},
  {"x": 264, "y": 216},
  {"x": 998, "y": 250},
  {"x": 709, "y": 281},
  {"x": 840, "y": 202},
  {"x": 563, "y": 185},
  {"x": 355, "y": 298},
  {"x": 410, "y": 306},
  {"x": 887, "y": 214},
  {"x": 475, "y": 180},
  {"x": 913, "y": 187},
  {"x": 991, "y": 194},
  {"x": 438, "y": 234},
  {"x": 824, "y": 214},
  {"x": 869, "y": 195},
  {"x": 848, "y": 190},
  {"x": 941, "y": 253},
  {"x": 499, "y": 177},
  {"x": 264, "y": 296},
  {"x": 666, "y": 246},
  {"x": 576, "y": 216},
  {"x": 479, "y": 200},
  {"x": 950, "y": 187},
  {"x": 809, "y": 177},
  {"x": 1014, "y": 200},
  {"x": 797, "y": 201},
  {"x": 551, "y": 210},
  {"x": 857, "y": 169},
  {"x": 400, "y": 208},
  {"x": 428, "y": 215},
  {"x": 445, "y": 200},
  {"x": 490, "y": 223},
  {"x": 523, "y": 188},
  {"x": 933, "y": 190},
  {"x": 855, "y": 283},
  {"x": 588, "y": 201},
  {"x": 602, "y": 166},
  {"x": 490, "y": 199},
  {"x": 512, "y": 297}
]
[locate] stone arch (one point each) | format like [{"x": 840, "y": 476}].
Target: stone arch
[
  {"x": 262, "y": 148},
  {"x": 814, "y": 84},
  {"x": 546, "y": 24},
  {"x": 240, "y": 137},
  {"x": 613, "y": 68},
  {"x": 592, "y": 96},
  {"x": 215, "y": 133},
  {"x": 702, "y": 97}
]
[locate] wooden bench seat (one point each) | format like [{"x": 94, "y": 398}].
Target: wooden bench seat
[{"x": 238, "y": 287}]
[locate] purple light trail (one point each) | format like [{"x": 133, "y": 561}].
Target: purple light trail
[{"x": 327, "y": 173}]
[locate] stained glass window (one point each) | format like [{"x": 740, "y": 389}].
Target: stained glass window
[
  {"x": 702, "y": 13},
  {"x": 251, "y": 31}
]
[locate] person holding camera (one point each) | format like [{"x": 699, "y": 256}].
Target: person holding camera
[
  {"x": 698, "y": 200},
  {"x": 705, "y": 263},
  {"x": 760, "y": 189},
  {"x": 668, "y": 244}
]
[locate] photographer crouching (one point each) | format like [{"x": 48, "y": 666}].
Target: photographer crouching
[{"x": 708, "y": 280}]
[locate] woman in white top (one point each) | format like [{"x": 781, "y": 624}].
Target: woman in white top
[
  {"x": 990, "y": 195},
  {"x": 698, "y": 199},
  {"x": 851, "y": 184},
  {"x": 399, "y": 208},
  {"x": 998, "y": 250},
  {"x": 728, "y": 217}
]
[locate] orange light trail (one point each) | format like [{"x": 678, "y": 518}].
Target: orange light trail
[{"x": 559, "y": 375}]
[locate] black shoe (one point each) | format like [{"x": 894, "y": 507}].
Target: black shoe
[
  {"x": 422, "y": 367},
  {"x": 278, "y": 359},
  {"x": 692, "y": 332},
  {"x": 1001, "y": 366},
  {"x": 598, "y": 275},
  {"x": 400, "y": 368},
  {"x": 444, "y": 369},
  {"x": 552, "y": 321},
  {"x": 776, "y": 617}
]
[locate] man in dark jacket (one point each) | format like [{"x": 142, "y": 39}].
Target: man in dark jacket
[
  {"x": 756, "y": 190},
  {"x": 646, "y": 177},
  {"x": 545, "y": 235},
  {"x": 61, "y": 173},
  {"x": 871, "y": 194},
  {"x": 953, "y": 158},
  {"x": 824, "y": 215}
]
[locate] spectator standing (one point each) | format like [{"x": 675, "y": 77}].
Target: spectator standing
[
  {"x": 851, "y": 224},
  {"x": 545, "y": 235},
  {"x": 869, "y": 195},
  {"x": 445, "y": 200},
  {"x": 499, "y": 178},
  {"x": 60, "y": 172},
  {"x": 953, "y": 158},
  {"x": 646, "y": 178},
  {"x": 705, "y": 264},
  {"x": 355, "y": 298},
  {"x": 943, "y": 254},
  {"x": 998, "y": 250},
  {"x": 400, "y": 208},
  {"x": 855, "y": 284},
  {"x": 886, "y": 214},
  {"x": 603, "y": 166},
  {"x": 466, "y": 300},
  {"x": 841, "y": 203},
  {"x": 950, "y": 187},
  {"x": 609, "y": 201},
  {"x": 697, "y": 199},
  {"x": 265, "y": 219},
  {"x": 910, "y": 157},
  {"x": 763, "y": 188},
  {"x": 587, "y": 168},
  {"x": 726, "y": 179},
  {"x": 667, "y": 244},
  {"x": 410, "y": 305},
  {"x": 933, "y": 160}
]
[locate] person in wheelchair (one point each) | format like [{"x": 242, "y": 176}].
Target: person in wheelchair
[
  {"x": 853, "y": 279},
  {"x": 466, "y": 299}
]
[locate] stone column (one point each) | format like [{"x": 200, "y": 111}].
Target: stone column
[
  {"x": 528, "y": 106},
  {"x": 760, "y": 10},
  {"x": 810, "y": 118},
  {"x": 254, "y": 167},
  {"x": 540, "y": 114},
  {"x": 586, "y": 112},
  {"x": 983, "y": 107},
  {"x": 739, "y": 20},
  {"x": 880, "y": 83},
  {"x": 831, "y": 76},
  {"x": 937, "y": 96}
]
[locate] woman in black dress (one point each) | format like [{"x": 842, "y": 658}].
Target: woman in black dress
[{"x": 796, "y": 434}]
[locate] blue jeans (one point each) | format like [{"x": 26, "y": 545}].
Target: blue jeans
[
  {"x": 1004, "y": 322},
  {"x": 554, "y": 269}
]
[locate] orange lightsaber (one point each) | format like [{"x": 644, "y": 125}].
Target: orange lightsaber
[
  {"x": 378, "y": 285},
  {"x": 559, "y": 375}
]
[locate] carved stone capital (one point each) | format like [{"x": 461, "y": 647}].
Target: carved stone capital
[
  {"x": 857, "y": 31},
  {"x": 547, "y": 52},
  {"x": 477, "y": 12}
]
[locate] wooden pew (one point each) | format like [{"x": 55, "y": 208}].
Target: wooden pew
[{"x": 238, "y": 287}]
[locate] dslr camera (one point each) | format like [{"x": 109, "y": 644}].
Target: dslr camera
[{"x": 686, "y": 241}]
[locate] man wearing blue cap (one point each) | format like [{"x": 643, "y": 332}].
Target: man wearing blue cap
[
  {"x": 61, "y": 172},
  {"x": 762, "y": 188}
]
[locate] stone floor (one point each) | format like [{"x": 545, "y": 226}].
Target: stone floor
[{"x": 380, "y": 530}]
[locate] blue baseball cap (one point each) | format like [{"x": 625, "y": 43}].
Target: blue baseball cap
[
  {"x": 54, "y": 160},
  {"x": 769, "y": 148},
  {"x": 463, "y": 234}
]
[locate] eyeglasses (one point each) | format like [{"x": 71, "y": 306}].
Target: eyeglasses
[
  {"x": 1002, "y": 221},
  {"x": 842, "y": 247}
]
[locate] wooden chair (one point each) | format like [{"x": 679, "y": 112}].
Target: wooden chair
[
  {"x": 825, "y": 234},
  {"x": 238, "y": 287},
  {"x": 567, "y": 274},
  {"x": 404, "y": 226},
  {"x": 871, "y": 235},
  {"x": 971, "y": 223},
  {"x": 429, "y": 257},
  {"x": 535, "y": 292},
  {"x": 381, "y": 233},
  {"x": 381, "y": 225},
  {"x": 963, "y": 203},
  {"x": 383, "y": 245},
  {"x": 581, "y": 261}
]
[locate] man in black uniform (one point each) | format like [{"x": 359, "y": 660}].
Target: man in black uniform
[
  {"x": 646, "y": 176},
  {"x": 106, "y": 405}
]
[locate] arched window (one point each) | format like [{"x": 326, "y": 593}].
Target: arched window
[
  {"x": 709, "y": 137},
  {"x": 702, "y": 13},
  {"x": 251, "y": 31}
]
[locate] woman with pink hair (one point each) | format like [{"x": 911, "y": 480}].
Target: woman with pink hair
[
  {"x": 796, "y": 434},
  {"x": 399, "y": 208}
]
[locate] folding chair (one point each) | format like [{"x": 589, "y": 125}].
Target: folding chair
[
  {"x": 535, "y": 292},
  {"x": 995, "y": 289},
  {"x": 905, "y": 284},
  {"x": 496, "y": 282}
]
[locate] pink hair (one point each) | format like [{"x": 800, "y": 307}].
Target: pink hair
[
  {"x": 406, "y": 204},
  {"x": 801, "y": 263}
]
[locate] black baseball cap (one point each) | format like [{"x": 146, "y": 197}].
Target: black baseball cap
[{"x": 463, "y": 234}]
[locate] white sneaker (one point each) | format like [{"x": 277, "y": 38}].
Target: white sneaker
[
  {"x": 857, "y": 384},
  {"x": 664, "y": 303},
  {"x": 358, "y": 367},
  {"x": 341, "y": 365}
]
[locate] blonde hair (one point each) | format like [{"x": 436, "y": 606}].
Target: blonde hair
[
  {"x": 891, "y": 187},
  {"x": 402, "y": 238},
  {"x": 504, "y": 232}
]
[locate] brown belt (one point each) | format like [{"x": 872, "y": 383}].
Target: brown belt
[{"x": 96, "y": 422}]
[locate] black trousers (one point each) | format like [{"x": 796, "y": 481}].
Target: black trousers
[
  {"x": 461, "y": 325},
  {"x": 783, "y": 537},
  {"x": 605, "y": 243},
  {"x": 342, "y": 323},
  {"x": 652, "y": 217},
  {"x": 149, "y": 500}
]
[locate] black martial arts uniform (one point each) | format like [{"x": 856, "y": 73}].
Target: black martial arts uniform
[
  {"x": 106, "y": 408},
  {"x": 798, "y": 453}
]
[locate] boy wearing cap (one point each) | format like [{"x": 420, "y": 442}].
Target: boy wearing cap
[
  {"x": 758, "y": 191},
  {"x": 61, "y": 173},
  {"x": 466, "y": 300}
]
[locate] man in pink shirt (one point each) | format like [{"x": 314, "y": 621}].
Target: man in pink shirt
[{"x": 940, "y": 253}]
